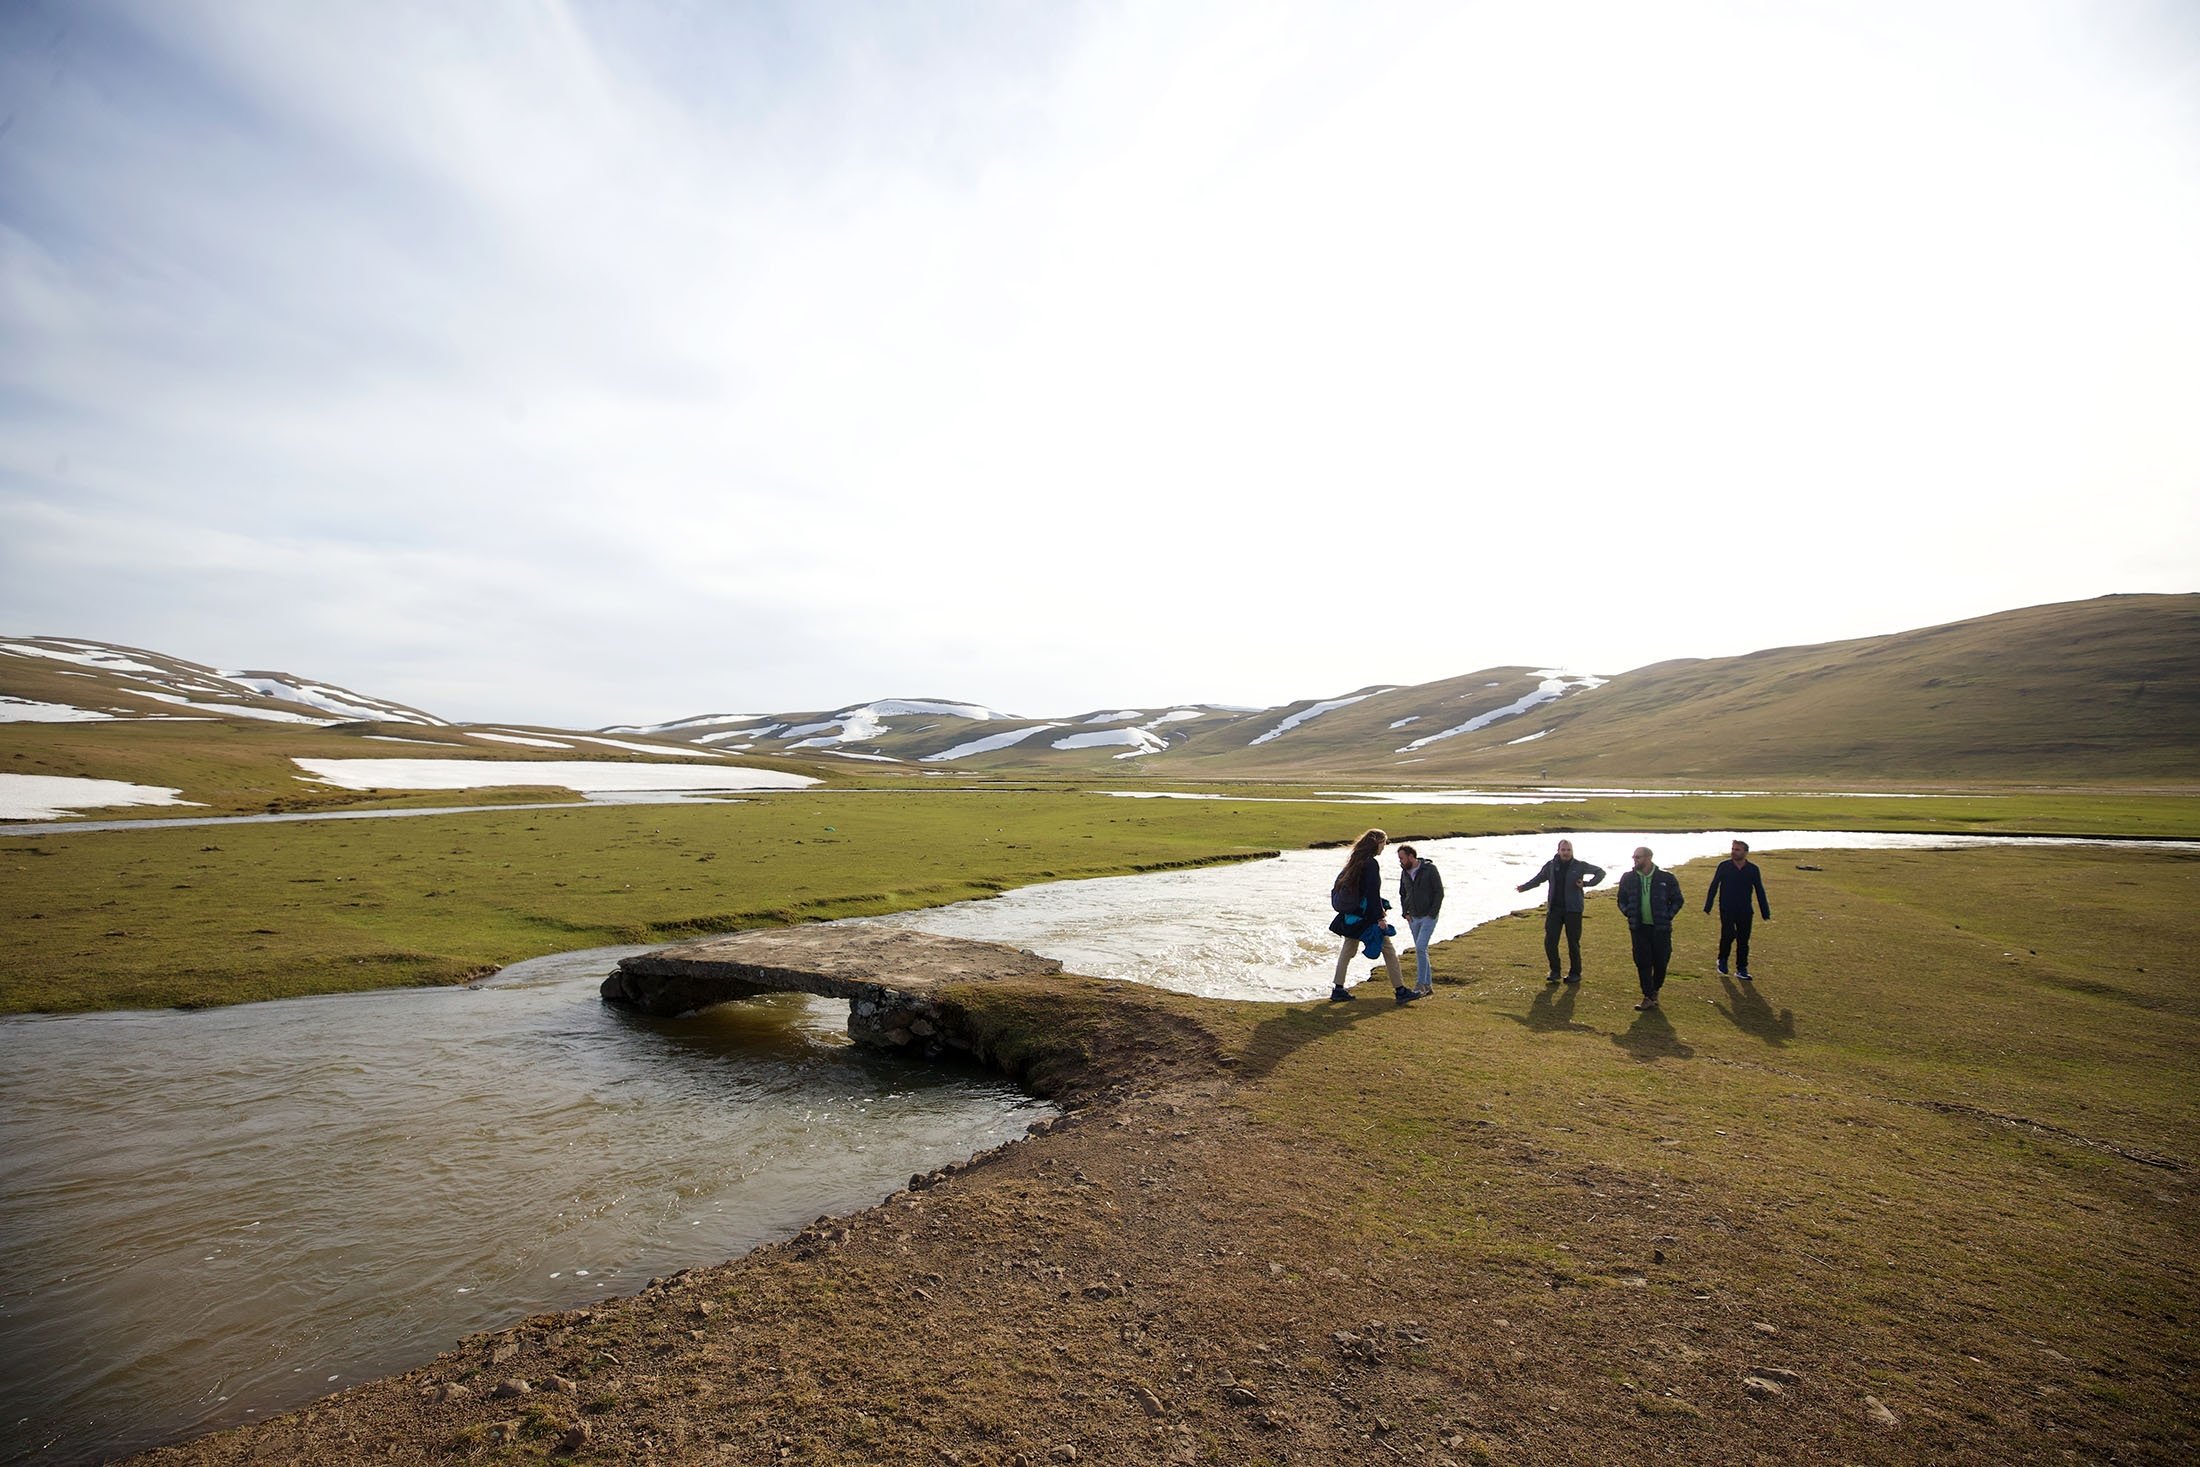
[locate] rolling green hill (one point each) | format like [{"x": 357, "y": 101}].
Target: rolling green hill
[
  {"x": 2086, "y": 691},
  {"x": 2079, "y": 693}
]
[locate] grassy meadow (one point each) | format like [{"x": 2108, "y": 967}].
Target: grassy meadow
[
  {"x": 1943, "y": 1148},
  {"x": 195, "y": 915}
]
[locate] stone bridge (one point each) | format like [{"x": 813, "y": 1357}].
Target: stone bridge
[{"x": 890, "y": 977}]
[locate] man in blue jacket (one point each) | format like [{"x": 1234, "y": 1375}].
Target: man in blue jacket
[
  {"x": 1651, "y": 899},
  {"x": 1568, "y": 878},
  {"x": 1732, "y": 885}
]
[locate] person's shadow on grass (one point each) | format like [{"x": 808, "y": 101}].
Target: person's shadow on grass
[
  {"x": 1650, "y": 1038},
  {"x": 1746, "y": 1008},
  {"x": 1273, "y": 1040},
  {"x": 1553, "y": 1011}
]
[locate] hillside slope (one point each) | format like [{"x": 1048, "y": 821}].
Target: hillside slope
[
  {"x": 2080, "y": 691},
  {"x": 2107, "y": 689},
  {"x": 2096, "y": 691}
]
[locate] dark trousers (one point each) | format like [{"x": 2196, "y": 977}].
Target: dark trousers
[
  {"x": 1653, "y": 950},
  {"x": 1734, "y": 935},
  {"x": 1570, "y": 922}
]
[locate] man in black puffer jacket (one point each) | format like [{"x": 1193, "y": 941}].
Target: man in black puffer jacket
[
  {"x": 1568, "y": 878},
  {"x": 1651, "y": 899}
]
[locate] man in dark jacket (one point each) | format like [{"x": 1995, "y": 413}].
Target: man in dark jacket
[
  {"x": 1568, "y": 878},
  {"x": 1651, "y": 899},
  {"x": 1732, "y": 884},
  {"x": 1421, "y": 897}
]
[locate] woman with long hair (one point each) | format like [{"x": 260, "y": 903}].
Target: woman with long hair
[{"x": 1357, "y": 898}]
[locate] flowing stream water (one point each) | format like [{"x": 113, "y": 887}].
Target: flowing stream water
[
  {"x": 214, "y": 1215},
  {"x": 209, "y": 1216},
  {"x": 1260, "y": 931}
]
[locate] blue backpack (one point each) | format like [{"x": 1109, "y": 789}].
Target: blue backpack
[{"x": 1342, "y": 899}]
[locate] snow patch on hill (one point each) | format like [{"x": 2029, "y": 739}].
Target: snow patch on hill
[
  {"x": 50, "y": 796},
  {"x": 186, "y": 682},
  {"x": 106, "y": 659},
  {"x": 233, "y": 710},
  {"x": 988, "y": 744},
  {"x": 511, "y": 738},
  {"x": 920, "y": 707},
  {"x": 1314, "y": 711},
  {"x": 580, "y": 775},
  {"x": 1141, "y": 741},
  {"x": 23, "y": 710},
  {"x": 864, "y": 725},
  {"x": 706, "y": 720},
  {"x": 347, "y": 706},
  {"x": 641, "y": 748},
  {"x": 1552, "y": 684}
]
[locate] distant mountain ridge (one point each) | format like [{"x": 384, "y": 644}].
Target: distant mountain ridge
[
  {"x": 2106, "y": 689},
  {"x": 2100, "y": 689},
  {"x": 67, "y": 680}
]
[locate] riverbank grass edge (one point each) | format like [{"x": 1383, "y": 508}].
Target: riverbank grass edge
[{"x": 200, "y": 916}]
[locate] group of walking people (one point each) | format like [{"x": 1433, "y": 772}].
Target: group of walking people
[{"x": 1649, "y": 897}]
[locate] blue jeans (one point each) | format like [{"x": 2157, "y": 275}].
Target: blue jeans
[{"x": 1424, "y": 933}]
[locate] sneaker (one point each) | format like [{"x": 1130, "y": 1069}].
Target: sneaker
[
  {"x": 1573, "y": 977},
  {"x": 1648, "y": 1003},
  {"x": 1553, "y": 978},
  {"x": 1722, "y": 968},
  {"x": 1424, "y": 993},
  {"x": 1403, "y": 995},
  {"x": 1745, "y": 976},
  {"x": 1340, "y": 995}
]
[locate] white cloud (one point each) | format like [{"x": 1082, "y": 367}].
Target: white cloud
[{"x": 572, "y": 363}]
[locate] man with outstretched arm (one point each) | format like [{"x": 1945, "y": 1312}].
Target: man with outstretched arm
[
  {"x": 1421, "y": 894},
  {"x": 1733, "y": 883},
  {"x": 1651, "y": 899},
  {"x": 1568, "y": 878}
]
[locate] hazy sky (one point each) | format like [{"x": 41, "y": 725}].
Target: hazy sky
[{"x": 607, "y": 363}]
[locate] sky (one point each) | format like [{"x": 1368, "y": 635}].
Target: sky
[{"x": 584, "y": 364}]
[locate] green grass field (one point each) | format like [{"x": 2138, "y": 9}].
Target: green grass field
[
  {"x": 1944, "y": 1146},
  {"x": 209, "y": 915}
]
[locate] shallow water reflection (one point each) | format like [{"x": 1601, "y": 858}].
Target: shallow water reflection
[
  {"x": 212, "y": 1215},
  {"x": 1259, "y": 930}
]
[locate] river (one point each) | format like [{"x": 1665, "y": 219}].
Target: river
[{"x": 207, "y": 1216}]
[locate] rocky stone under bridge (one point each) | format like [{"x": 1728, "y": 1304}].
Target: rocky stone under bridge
[{"x": 891, "y": 977}]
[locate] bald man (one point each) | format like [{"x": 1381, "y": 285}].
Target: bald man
[{"x": 1651, "y": 899}]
